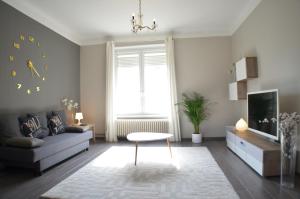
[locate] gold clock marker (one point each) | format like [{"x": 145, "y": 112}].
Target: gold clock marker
[
  {"x": 11, "y": 58},
  {"x": 13, "y": 73},
  {"x": 38, "y": 89},
  {"x": 31, "y": 39},
  {"x": 19, "y": 86},
  {"x": 22, "y": 38},
  {"x": 16, "y": 45},
  {"x": 28, "y": 91}
]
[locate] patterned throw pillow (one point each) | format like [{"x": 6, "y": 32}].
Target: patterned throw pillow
[
  {"x": 31, "y": 127},
  {"x": 56, "y": 125}
]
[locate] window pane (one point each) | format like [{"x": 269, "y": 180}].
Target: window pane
[
  {"x": 128, "y": 84},
  {"x": 155, "y": 84}
]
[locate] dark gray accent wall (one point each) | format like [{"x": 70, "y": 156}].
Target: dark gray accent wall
[{"x": 62, "y": 57}]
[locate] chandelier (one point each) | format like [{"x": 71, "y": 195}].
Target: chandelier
[{"x": 137, "y": 24}]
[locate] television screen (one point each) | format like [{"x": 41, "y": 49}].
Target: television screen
[{"x": 263, "y": 113}]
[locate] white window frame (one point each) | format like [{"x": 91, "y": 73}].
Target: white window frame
[{"x": 141, "y": 50}]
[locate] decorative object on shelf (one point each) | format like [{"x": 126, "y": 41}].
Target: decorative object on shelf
[
  {"x": 241, "y": 125},
  {"x": 34, "y": 65},
  {"x": 78, "y": 117},
  {"x": 138, "y": 24},
  {"x": 70, "y": 106},
  {"x": 195, "y": 107},
  {"x": 288, "y": 129}
]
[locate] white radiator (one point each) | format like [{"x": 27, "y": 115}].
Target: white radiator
[{"x": 126, "y": 126}]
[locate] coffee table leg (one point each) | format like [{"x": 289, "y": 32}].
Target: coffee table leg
[
  {"x": 169, "y": 147},
  {"x": 136, "y": 149}
]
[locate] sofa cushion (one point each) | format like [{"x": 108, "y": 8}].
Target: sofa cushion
[
  {"x": 24, "y": 142},
  {"x": 56, "y": 125},
  {"x": 52, "y": 145},
  {"x": 9, "y": 126}
]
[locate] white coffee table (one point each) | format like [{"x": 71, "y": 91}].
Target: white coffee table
[{"x": 147, "y": 137}]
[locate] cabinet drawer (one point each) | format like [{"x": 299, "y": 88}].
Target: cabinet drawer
[
  {"x": 241, "y": 148},
  {"x": 255, "y": 164},
  {"x": 230, "y": 137},
  {"x": 231, "y": 145},
  {"x": 254, "y": 152}
]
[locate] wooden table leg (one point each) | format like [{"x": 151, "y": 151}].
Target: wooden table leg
[
  {"x": 136, "y": 149},
  {"x": 168, "y": 142}
]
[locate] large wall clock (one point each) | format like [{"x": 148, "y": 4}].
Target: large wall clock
[{"x": 28, "y": 64}]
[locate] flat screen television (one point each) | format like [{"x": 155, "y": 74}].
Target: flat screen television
[{"x": 263, "y": 113}]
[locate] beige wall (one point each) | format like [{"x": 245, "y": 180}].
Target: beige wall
[
  {"x": 92, "y": 85},
  {"x": 202, "y": 65},
  {"x": 272, "y": 33}
]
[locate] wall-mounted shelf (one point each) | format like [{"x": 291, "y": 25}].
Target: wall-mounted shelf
[
  {"x": 245, "y": 69},
  {"x": 238, "y": 90}
]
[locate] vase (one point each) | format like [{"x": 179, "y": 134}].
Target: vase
[
  {"x": 288, "y": 154},
  {"x": 70, "y": 117},
  {"x": 196, "y": 138}
]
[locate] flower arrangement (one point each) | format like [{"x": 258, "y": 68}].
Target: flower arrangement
[
  {"x": 288, "y": 122},
  {"x": 288, "y": 128},
  {"x": 70, "y": 104}
]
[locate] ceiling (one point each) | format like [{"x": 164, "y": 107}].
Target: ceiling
[{"x": 94, "y": 21}]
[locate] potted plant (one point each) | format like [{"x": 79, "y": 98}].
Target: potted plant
[{"x": 195, "y": 108}]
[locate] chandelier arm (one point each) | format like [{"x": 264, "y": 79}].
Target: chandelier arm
[{"x": 137, "y": 25}]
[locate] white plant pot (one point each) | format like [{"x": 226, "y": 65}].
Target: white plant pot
[{"x": 197, "y": 138}]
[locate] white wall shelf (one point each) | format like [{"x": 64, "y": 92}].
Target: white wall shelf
[
  {"x": 238, "y": 90},
  {"x": 246, "y": 68}
]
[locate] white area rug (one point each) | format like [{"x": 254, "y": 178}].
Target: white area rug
[{"x": 192, "y": 173}]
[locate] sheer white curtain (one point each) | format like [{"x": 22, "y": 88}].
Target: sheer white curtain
[
  {"x": 174, "y": 126},
  {"x": 111, "y": 116}
]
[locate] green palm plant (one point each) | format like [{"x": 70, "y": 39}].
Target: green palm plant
[{"x": 195, "y": 108}]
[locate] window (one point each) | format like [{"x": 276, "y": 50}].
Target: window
[{"x": 141, "y": 80}]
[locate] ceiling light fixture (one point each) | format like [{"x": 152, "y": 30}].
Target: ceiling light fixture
[{"x": 137, "y": 24}]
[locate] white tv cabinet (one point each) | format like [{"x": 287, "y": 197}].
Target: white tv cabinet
[{"x": 259, "y": 153}]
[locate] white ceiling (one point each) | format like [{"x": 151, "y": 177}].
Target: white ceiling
[{"x": 93, "y": 21}]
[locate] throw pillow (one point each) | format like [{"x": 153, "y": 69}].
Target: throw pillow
[
  {"x": 24, "y": 142},
  {"x": 42, "y": 116},
  {"x": 62, "y": 115},
  {"x": 31, "y": 127},
  {"x": 56, "y": 125}
]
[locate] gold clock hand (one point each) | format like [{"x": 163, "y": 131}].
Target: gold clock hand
[{"x": 36, "y": 71}]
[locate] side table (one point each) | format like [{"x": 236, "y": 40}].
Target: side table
[{"x": 88, "y": 127}]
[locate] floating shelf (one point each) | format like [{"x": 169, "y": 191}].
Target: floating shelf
[
  {"x": 245, "y": 69},
  {"x": 238, "y": 90}
]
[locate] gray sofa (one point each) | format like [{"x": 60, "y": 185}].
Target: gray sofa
[{"x": 54, "y": 150}]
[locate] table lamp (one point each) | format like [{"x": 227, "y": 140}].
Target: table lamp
[
  {"x": 241, "y": 125},
  {"x": 79, "y": 117}
]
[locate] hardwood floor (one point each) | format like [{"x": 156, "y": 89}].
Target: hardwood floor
[{"x": 18, "y": 183}]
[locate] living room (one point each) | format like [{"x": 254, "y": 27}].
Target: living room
[{"x": 149, "y": 99}]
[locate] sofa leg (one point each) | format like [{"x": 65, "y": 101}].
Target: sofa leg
[
  {"x": 38, "y": 173},
  {"x": 87, "y": 149}
]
